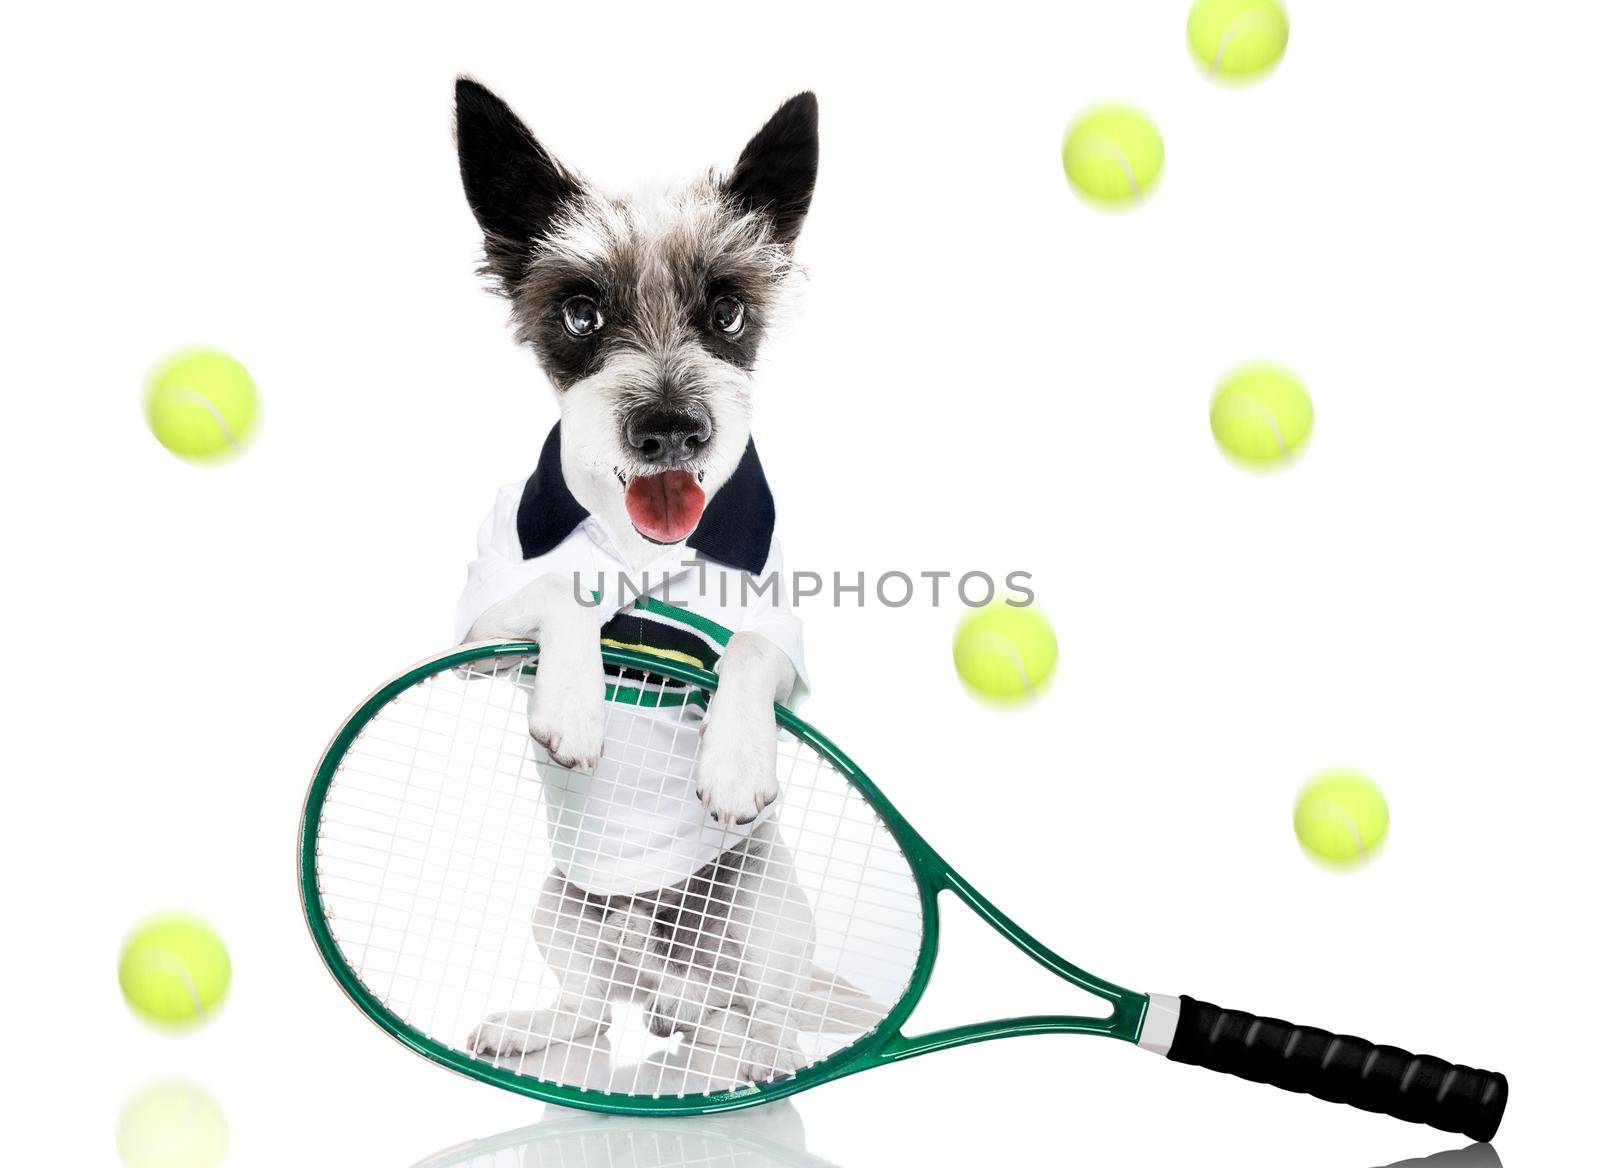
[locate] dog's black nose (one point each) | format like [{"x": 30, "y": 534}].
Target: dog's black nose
[{"x": 668, "y": 438}]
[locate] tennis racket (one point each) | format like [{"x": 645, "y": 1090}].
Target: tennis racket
[{"x": 433, "y": 847}]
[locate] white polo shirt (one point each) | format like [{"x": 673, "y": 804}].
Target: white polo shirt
[{"x": 634, "y": 824}]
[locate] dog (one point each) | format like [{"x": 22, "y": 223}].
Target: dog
[{"x": 646, "y": 312}]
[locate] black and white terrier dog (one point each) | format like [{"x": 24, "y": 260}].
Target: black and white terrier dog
[{"x": 647, "y": 313}]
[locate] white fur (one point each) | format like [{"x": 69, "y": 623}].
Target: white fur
[
  {"x": 737, "y": 775},
  {"x": 566, "y": 713}
]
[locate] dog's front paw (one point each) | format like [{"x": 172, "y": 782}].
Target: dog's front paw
[
  {"x": 737, "y": 773},
  {"x": 566, "y": 714},
  {"x": 509, "y": 1033},
  {"x": 764, "y": 1061}
]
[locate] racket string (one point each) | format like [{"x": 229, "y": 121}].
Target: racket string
[{"x": 435, "y": 852}]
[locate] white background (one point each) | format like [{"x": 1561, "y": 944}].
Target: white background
[{"x": 987, "y": 374}]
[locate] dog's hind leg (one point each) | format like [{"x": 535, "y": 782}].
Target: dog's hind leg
[
  {"x": 569, "y": 927},
  {"x": 699, "y": 965},
  {"x": 687, "y": 992},
  {"x": 736, "y": 1046},
  {"x": 507, "y": 1033},
  {"x": 703, "y": 947},
  {"x": 761, "y": 931}
]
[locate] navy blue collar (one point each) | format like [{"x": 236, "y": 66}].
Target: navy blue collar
[{"x": 736, "y": 528}]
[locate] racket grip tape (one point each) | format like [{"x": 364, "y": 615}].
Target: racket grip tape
[{"x": 1340, "y": 1069}]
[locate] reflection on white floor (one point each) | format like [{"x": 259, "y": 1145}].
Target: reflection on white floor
[
  {"x": 763, "y": 1137},
  {"x": 172, "y": 1123},
  {"x": 1472, "y": 1156}
]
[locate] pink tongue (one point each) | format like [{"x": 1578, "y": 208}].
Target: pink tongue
[{"x": 665, "y": 507}]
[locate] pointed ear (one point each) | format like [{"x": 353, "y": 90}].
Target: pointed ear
[
  {"x": 513, "y": 185},
  {"x": 778, "y": 169}
]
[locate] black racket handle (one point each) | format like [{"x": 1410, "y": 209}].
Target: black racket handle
[{"x": 1341, "y": 1069}]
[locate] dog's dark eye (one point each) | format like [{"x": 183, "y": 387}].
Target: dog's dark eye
[
  {"x": 581, "y": 315},
  {"x": 727, "y": 315}
]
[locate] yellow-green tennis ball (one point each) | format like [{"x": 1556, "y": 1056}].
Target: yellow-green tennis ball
[
  {"x": 1113, "y": 155},
  {"x": 1341, "y": 817},
  {"x": 174, "y": 971},
  {"x": 170, "y": 1123},
  {"x": 1261, "y": 415},
  {"x": 1238, "y": 40},
  {"x": 1005, "y": 653},
  {"x": 201, "y": 404}
]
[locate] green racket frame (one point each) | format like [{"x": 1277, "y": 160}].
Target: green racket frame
[{"x": 884, "y": 1044}]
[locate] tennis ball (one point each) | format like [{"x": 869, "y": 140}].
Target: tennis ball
[
  {"x": 170, "y": 1123},
  {"x": 1112, "y": 155},
  {"x": 1341, "y": 817},
  {"x": 174, "y": 971},
  {"x": 1005, "y": 653},
  {"x": 1261, "y": 415},
  {"x": 1238, "y": 40},
  {"x": 201, "y": 404}
]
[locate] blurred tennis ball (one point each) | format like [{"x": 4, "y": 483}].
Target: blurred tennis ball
[
  {"x": 201, "y": 404},
  {"x": 171, "y": 1123},
  {"x": 1238, "y": 40},
  {"x": 1005, "y": 653},
  {"x": 1341, "y": 817},
  {"x": 1113, "y": 155},
  {"x": 174, "y": 971},
  {"x": 1261, "y": 415}
]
